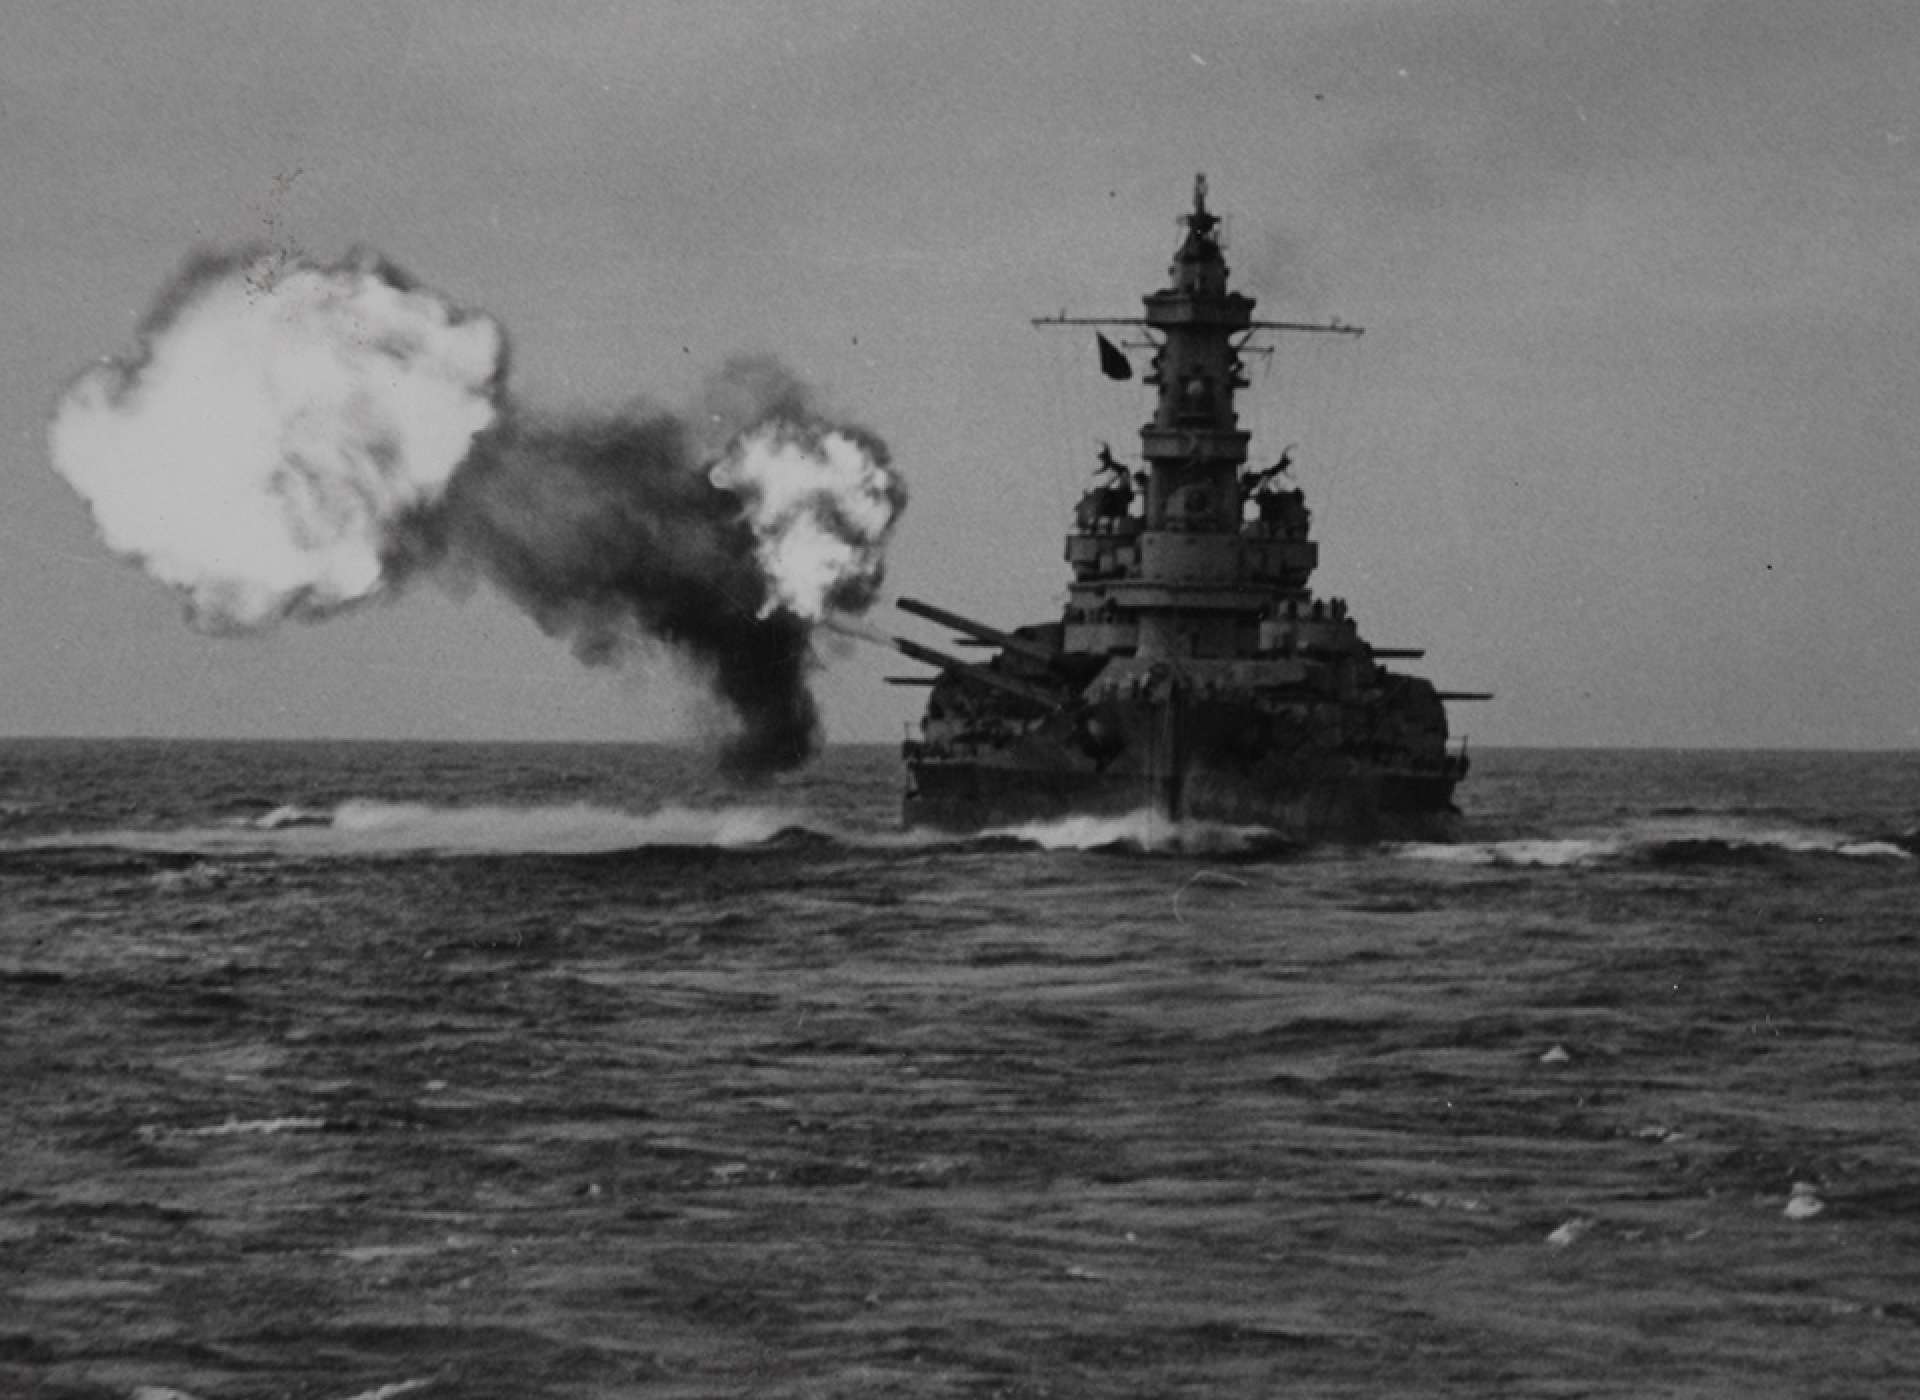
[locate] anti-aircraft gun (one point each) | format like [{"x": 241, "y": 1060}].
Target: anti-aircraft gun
[{"x": 1254, "y": 482}]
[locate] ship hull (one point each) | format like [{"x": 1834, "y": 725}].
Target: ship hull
[
  {"x": 1183, "y": 766},
  {"x": 974, "y": 797}
]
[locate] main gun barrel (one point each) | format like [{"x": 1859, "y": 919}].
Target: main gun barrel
[
  {"x": 982, "y": 675},
  {"x": 993, "y": 636}
]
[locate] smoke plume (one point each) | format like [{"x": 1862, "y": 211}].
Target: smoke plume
[{"x": 290, "y": 440}]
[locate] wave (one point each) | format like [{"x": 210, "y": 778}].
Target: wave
[
  {"x": 240, "y": 1127},
  {"x": 1530, "y": 852},
  {"x": 291, "y": 814},
  {"x": 369, "y": 827},
  {"x": 1703, "y": 840},
  {"x": 1139, "y": 831},
  {"x": 574, "y": 828},
  {"x": 362, "y": 827},
  {"x": 366, "y": 827}
]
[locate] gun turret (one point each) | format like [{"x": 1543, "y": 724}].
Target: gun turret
[
  {"x": 983, "y": 675},
  {"x": 992, "y": 636}
]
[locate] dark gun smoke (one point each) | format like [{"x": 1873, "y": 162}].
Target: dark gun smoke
[
  {"x": 328, "y": 434},
  {"x": 610, "y": 533}
]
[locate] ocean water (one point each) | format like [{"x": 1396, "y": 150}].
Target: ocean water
[{"x": 358, "y": 1071}]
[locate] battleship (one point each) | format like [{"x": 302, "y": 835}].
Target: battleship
[{"x": 1193, "y": 674}]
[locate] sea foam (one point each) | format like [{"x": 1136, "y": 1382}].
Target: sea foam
[{"x": 1705, "y": 839}]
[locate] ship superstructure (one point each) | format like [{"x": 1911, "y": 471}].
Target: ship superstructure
[{"x": 1193, "y": 672}]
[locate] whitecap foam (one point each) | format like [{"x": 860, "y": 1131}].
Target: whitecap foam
[
  {"x": 576, "y": 828},
  {"x": 1738, "y": 832},
  {"x": 1839, "y": 844},
  {"x": 1873, "y": 850},
  {"x": 392, "y": 1389},
  {"x": 292, "y": 814},
  {"x": 237, "y": 1127},
  {"x": 1571, "y": 851},
  {"x": 1643, "y": 838},
  {"x": 1144, "y": 829},
  {"x": 364, "y": 826}
]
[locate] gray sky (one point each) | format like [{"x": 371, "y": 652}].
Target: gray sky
[{"x": 1629, "y": 440}]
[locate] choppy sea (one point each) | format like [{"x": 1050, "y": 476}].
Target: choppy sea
[{"x": 353, "y": 1071}]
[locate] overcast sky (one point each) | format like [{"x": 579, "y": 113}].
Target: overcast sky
[{"x": 1630, "y": 438}]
